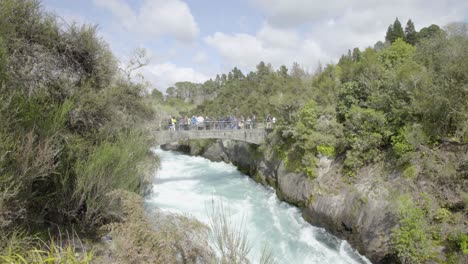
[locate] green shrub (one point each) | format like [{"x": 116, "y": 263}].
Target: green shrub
[
  {"x": 443, "y": 215},
  {"x": 409, "y": 172},
  {"x": 411, "y": 240},
  {"x": 462, "y": 242},
  {"x": 366, "y": 131},
  {"x": 328, "y": 151},
  {"x": 110, "y": 166},
  {"x": 307, "y": 118},
  {"x": 400, "y": 145}
]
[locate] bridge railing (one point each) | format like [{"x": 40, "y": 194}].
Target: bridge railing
[{"x": 218, "y": 125}]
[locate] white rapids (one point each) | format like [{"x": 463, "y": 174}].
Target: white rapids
[{"x": 189, "y": 185}]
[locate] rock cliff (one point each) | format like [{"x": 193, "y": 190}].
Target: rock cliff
[{"x": 362, "y": 211}]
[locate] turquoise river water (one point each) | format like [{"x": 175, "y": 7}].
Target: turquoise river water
[{"x": 189, "y": 185}]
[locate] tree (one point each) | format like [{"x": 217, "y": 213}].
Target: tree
[
  {"x": 356, "y": 54},
  {"x": 410, "y": 33},
  {"x": 262, "y": 69},
  {"x": 237, "y": 74},
  {"x": 157, "y": 95},
  {"x": 396, "y": 54},
  {"x": 138, "y": 60},
  {"x": 366, "y": 131},
  {"x": 283, "y": 72},
  {"x": 379, "y": 45},
  {"x": 395, "y": 32},
  {"x": 429, "y": 32},
  {"x": 171, "y": 92},
  {"x": 297, "y": 71},
  {"x": 389, "y": 35}
]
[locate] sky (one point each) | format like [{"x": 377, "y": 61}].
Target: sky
[{"x": 193, "y": 40}]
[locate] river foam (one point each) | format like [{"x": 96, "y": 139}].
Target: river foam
[{"x": 189, "y": 185}]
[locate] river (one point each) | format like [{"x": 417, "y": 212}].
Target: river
[{"x": 189, "y": 185}]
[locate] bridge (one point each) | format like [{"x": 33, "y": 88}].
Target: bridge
[{"x": 253, "y": 136}]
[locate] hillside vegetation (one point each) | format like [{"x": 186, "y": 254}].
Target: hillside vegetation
[
  {"x": 71, "y": 133},
  {"x": 401, "y": 103}
]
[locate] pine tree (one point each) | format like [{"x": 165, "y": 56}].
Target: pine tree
[
  {"x": 397, "y": 31},
  {"x": 410, "y": 33},
  {"x": 389, "y": 35},
  {"x": 394, "y": 32},
  {"x": 356, "y": 54}
]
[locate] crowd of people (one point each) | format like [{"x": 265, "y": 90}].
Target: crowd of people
[{"x": 227, "y": 122}]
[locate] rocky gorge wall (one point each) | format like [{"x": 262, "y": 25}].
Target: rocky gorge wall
[{"x": 362, "y": 212}]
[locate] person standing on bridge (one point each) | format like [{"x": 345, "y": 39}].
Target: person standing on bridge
[
  {"x": 268, "y": 121},
  {"x": 174, "y": 123},
  {"x": 170, "y": 123},
  {"x": 193, "y": 122},
  {"x": 207, "y": 123},
  {"x": 200, "y": 121},
  {"x": 186, "y": 123}
]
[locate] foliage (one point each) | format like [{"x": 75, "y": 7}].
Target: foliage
[
  {"x": 443, "y": 215},
  {"x": 71, "y": 124},
  {"x": 398, "y": 53},
  {"x": 20, "y": 248},
  {"x": 394, "y": 32},
  {"x": 307, "y": 118},
  {"x": 410, "y": 33},
  {"x": 366, "y": 132},
  {"x": 462, "y": 242},
  {"x": 230, "y": 241},
  {"x": 328, "y": 151},
  {"x": 108, "y": 168},
  {"x": 410, "y": 239},
  {"x": 156, "y": 238},
  {"x": 409, "y": 172}
]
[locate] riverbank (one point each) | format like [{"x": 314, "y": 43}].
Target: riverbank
[{"x": 363, "y": 211}]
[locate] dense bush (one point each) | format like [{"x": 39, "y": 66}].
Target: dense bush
[
  {"x": 71, "y": 125},
  {"x": 411, "y": 239}
]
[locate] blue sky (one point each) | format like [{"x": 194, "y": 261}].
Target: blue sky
[{"x": 193, "y": 40}]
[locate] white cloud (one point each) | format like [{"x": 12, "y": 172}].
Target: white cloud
[
  {"x": 242, "y": 50},
  {"x": 155, "y": 18},
  {"x": 309, "y": 31},
  {"x": 166, "y": 74},
  {"x": 200, "y": 58},
  {"x": 276, "y": 37},
  {"x": 271, "y": 45},
  {"x": 293, "y": 12},
  {"x": 288, "y": 13}
]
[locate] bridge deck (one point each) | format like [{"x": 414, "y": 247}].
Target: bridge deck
[{"x": 254, "y": 136}]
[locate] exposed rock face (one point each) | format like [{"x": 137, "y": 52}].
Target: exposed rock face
[{"x": 359, "y": 213}]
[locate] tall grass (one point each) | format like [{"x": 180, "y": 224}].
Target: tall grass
[
  {"x": 112, "y": 165},
  {"x": 154, "y": 238},
  {"x": 230, "y": 240},
  {"x": 20, "y": 248}
]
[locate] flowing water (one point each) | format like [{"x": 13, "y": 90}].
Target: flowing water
[{"x": 187, "y": 184}]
